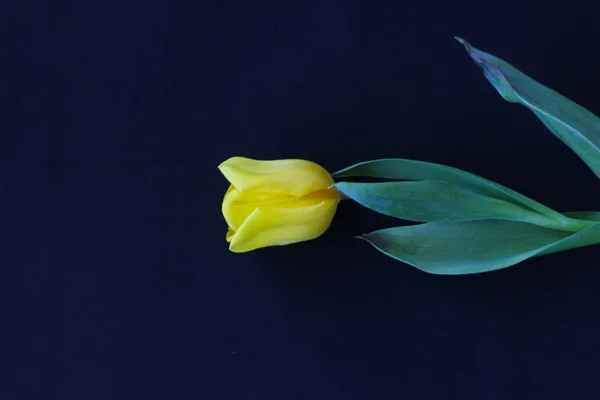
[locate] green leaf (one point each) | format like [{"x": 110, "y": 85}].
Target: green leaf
[
  {"x": 429, "y": 201},
  {"x": 403, "y": 169},
  {"x": 577, "y": 127},
  {"x": 584, "y": 215},
  {"x": 470, "y": 247}
]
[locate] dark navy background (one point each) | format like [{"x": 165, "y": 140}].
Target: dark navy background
[{"x": 116, "y": 281}]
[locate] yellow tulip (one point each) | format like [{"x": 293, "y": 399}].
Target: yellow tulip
[{"x": 274, "y": 203}]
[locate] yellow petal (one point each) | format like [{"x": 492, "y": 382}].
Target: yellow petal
[
  {"x": 271, "y": 226},
  {"x": 229, "y": 235},
  {"x": 234, "y": 211},
  {"x": 292, "y": 177},
  {"x": 237, "y": 206}
]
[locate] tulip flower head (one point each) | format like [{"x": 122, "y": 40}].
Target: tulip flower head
[{"x": 275, "y": 203}]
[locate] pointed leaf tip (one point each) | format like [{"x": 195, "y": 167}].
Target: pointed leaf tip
[
  {"x": 466, "y": 44},
  {"x": 461, "y": 40}
]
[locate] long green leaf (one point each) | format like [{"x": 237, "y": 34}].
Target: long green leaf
[
  {"x": 429, "y": 201},
  {"x": 577, "y": 127},
  {"x": 584, "y": 215},
  {"x": 412, "y": 170},
  {"x": 470, "y": 247}
]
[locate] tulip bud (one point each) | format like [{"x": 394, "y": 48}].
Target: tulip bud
[{"x": 274, "y": 203}]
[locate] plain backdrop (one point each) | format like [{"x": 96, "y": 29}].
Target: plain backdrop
[{"x": 116, "y": 281}]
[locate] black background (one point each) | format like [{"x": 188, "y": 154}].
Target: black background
[{"x": 116, "y": 281}]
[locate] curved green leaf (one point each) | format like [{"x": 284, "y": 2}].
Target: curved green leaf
[
  {"x": 470, "y": 247},
  {"x": 403, "y": 169},
  {"x": 584, "y": 215},
  {"x": 429, "y": 201},
  {"x": 577, "y": 127}
]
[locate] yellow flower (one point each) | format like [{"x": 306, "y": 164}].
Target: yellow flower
[{"x": 274, "y": 203}]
